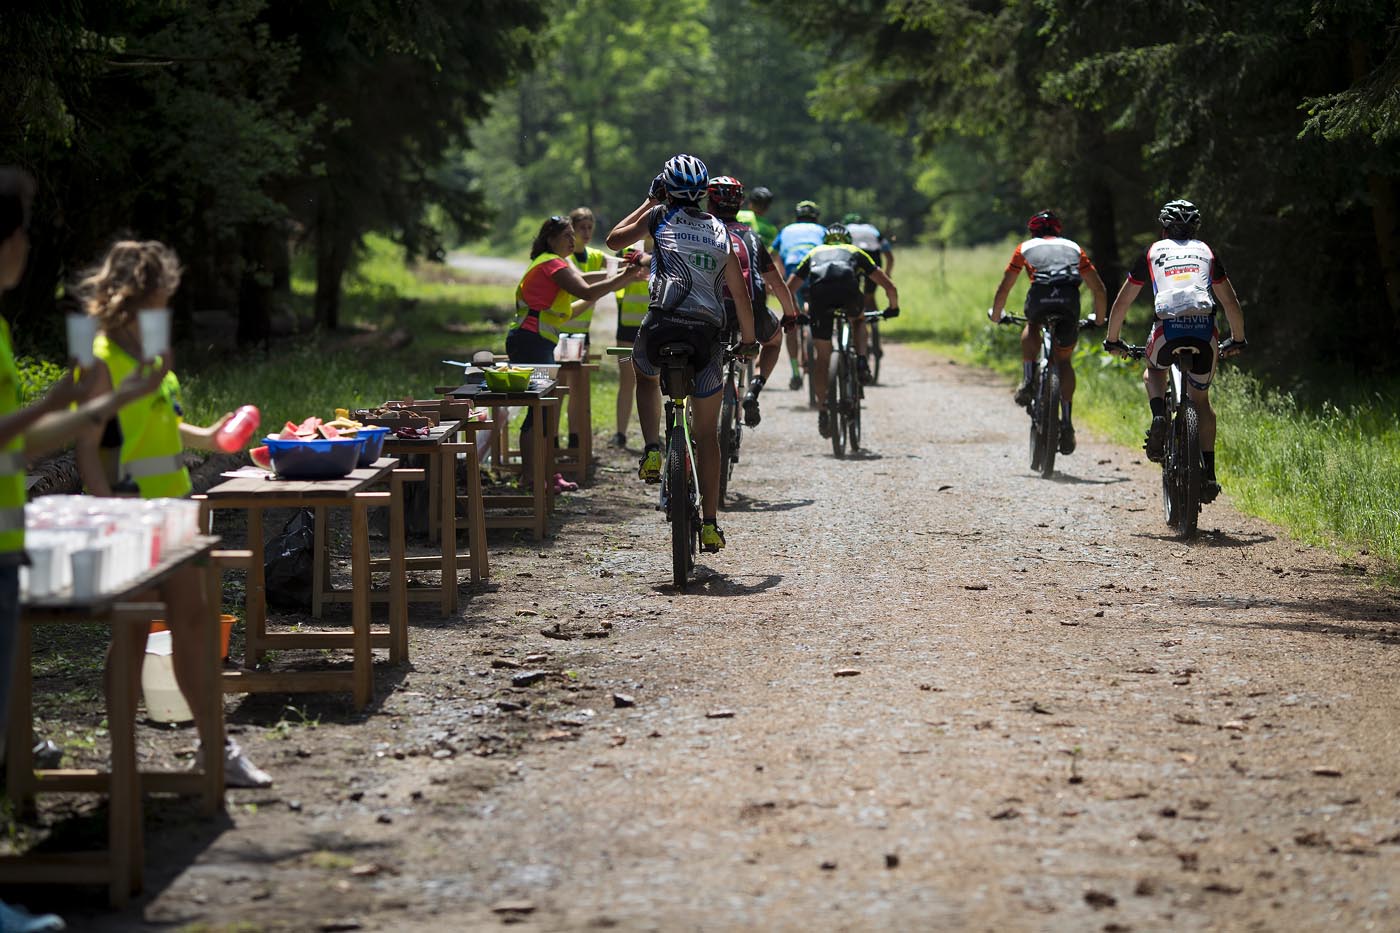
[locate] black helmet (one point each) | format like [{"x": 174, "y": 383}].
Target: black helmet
[
  {"x": 837, "y": 233},
  {"x": 808, "y": 210},
  {"x": 1180, "y": 219},
  {"x": 760, "y": 197}
]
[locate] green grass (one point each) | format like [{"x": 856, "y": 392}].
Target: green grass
[{"x": 1329, "y": 472}]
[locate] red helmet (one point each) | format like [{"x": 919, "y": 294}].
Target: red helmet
[
  {"x": 726, "y": 192},
  {"x": 1044, "y": 224}
]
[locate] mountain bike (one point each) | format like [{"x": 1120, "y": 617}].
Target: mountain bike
[
  {"x": 1182, "y": 467},
  {"x": 738, "y": 373},
  {"x": 1045, "y": 398},
  {"x": 843, "y": 387}
]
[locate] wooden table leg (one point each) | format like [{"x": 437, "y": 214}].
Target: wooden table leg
[
  {"x": 360, "y": 602},
  {"x": 124, "y": 800},
  {"x": 476, "y": 518},
  {"x": 447, "y": 499},
  {"x": 255, "y": 602},
  {"x": 320, "y": 561},
  {"x": 585, "y": 432},
  {"x": 542, "y": 433},
  {"x": 211, "y": 730},
  {"x": 398, "y": 584},
  {"x": 19, "y": 776}
]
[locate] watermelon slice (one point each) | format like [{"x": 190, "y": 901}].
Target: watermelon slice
[
  {"x": 308, "y": 427},
  {"x": 328, "y": 432},
  {"x": 261, "y": 456},
  {"x": 288, "y": 433}
]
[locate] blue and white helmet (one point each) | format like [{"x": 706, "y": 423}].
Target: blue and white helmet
[{"x": 685, "y": 177}]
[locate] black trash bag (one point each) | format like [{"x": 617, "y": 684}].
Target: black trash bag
[{"x": 288, "y": 562}]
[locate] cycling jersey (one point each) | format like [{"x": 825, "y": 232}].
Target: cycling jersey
[
  {"x": 1182, "y": 273},
  {"x": 797, "y": 240},
  {"x": 1050, "y": 260},
  {"x": 868, "y": 238},
  {"x": 767, "y": 231},
  {"x": 687, "y": 265},
  {"x": 833, "y": 273},
  {"x": 754, "y": 259}
]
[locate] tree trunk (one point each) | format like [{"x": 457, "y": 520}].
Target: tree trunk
[
  {"x": 1383, "y": 207},
  {"x": 1098, "y": 203},
  {"x": 332, "y": 256},
  {"x": 255, "y": 286},
  {"x": 590, "y": 160}
]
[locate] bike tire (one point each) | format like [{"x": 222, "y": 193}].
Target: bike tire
[
  {"x": 835, "y": 389},
  {"x": 855, "y": 391},
  {"x": 1190, "y": 473},
  {"x": 809, "y": 355},
  {"x": 874, "y": 353},
  {"x": 728, "y": 446},
  {"x": 1171, "y": 495},
  {"x": 678, "y": 479},
  {"x": 1049, "y": 414}
]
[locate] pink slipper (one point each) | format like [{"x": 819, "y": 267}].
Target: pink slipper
[{"x": 563, "y": 485}]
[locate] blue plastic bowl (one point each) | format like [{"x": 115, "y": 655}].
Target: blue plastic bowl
[
  {"x": 374, "y": 444},
  {"x": 314, "y": 459}
]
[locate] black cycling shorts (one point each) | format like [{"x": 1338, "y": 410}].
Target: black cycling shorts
[
  {"x": 706, "y": 349},
  {"x": 879, "y": 258},
  {"x": 822, "y": 314},
  {"x": 765, "y": 322},
  {"x": 1066, "y": 332}
]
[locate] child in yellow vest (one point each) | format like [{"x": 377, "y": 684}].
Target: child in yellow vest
[{"x": 138, "y": 452}]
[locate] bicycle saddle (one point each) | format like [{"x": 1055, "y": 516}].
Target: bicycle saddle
[{"x": 676, "y": 348}]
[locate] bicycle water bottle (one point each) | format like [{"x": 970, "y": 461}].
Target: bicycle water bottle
[{"x": 235, "y": 433}]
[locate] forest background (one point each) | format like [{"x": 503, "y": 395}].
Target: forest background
[{"x": 270, "y": 141}]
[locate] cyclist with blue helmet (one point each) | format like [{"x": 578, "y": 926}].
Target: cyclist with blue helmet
[
  {"x": 794, "y": 242},
  {"x": 691, "y": 266}
]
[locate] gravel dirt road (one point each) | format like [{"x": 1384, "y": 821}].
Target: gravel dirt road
[{"x": 922, "y": 689}]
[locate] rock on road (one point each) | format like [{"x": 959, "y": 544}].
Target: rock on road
[{"x": 922, "y": 689}]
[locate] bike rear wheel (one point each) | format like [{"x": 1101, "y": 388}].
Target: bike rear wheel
[
  {"x": 1171, "y": 494},
  {"x": 809, "y": 355},
  {"x": 1189, "y": 471},
  {"x": 854, "y": 391},
  {"x": 681, "y": 509},
  {"x": 1048, "y": 414},
  {"x": 835, "y": 402},
  {"x": 728, "y": 437},
  {"x": 874, "y": 353}
]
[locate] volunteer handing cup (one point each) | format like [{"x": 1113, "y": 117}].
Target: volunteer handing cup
[
  {"x": 155, "y": 332},
  {"x": 81, "y": 331}
]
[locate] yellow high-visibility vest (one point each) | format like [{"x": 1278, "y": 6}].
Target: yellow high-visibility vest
[
  {"x": 151, "y": 447},
  {"x": 12, "y": 464},
  {"x": 551, "y": 318}
]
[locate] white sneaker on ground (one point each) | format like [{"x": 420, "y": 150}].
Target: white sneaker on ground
[
  {"x": 239, "y": 771},
  {"x": 19, "y": 920}
]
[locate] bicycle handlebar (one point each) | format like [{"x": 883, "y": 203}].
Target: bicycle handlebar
[{"x": 1087, "y": 323}]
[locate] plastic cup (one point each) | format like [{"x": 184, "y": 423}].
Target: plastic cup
[
  {"x": 87, "y": 572},
  {"x": 82, "y": 329},
  {"x": 155, "y": 331},
  {"x": 40, "y": 571}
]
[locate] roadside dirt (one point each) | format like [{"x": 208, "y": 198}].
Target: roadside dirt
[{"x": 922, "y": 689}]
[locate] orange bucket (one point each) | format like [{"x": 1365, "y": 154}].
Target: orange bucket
[{"x": 225, "y": 629}]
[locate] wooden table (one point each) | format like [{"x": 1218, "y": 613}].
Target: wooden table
[
  {"x": 577, "y": 375},
  {"x": 255, "y": 494},
  {"x": 121, "y": 866},
  {"x": 441, "y": 448},
  {"x": 546, "y": 402}
]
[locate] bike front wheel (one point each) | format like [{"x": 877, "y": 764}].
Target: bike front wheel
[
  {"x": 874, "y": 354},
  {"x": 682, "y": 510},
  {"x": 854, "y": 392},
  {"x": 728, "y": 437},
  {"x": 1187, "y": 470},
  {"x": 809, "y": 355},
  {"x": 1048, "y": 414}
]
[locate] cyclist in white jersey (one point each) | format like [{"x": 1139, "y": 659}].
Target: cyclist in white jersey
[
  {"x": 1185, "y": 274},
  {"x": 869, "y": 238},
  {"x": 691, "y": 263}
]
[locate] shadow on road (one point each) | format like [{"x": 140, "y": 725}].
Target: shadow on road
[
  {"x": 1069, "y": 479},
  {"x": 713, "y": 583},
  {"x": 743, "y": 503},
  {"x": 1377, "y": 616},
  {"x": 1208, "y": 539}
]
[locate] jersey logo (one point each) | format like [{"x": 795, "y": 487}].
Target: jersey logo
[{"x": 704, "y": 262}]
